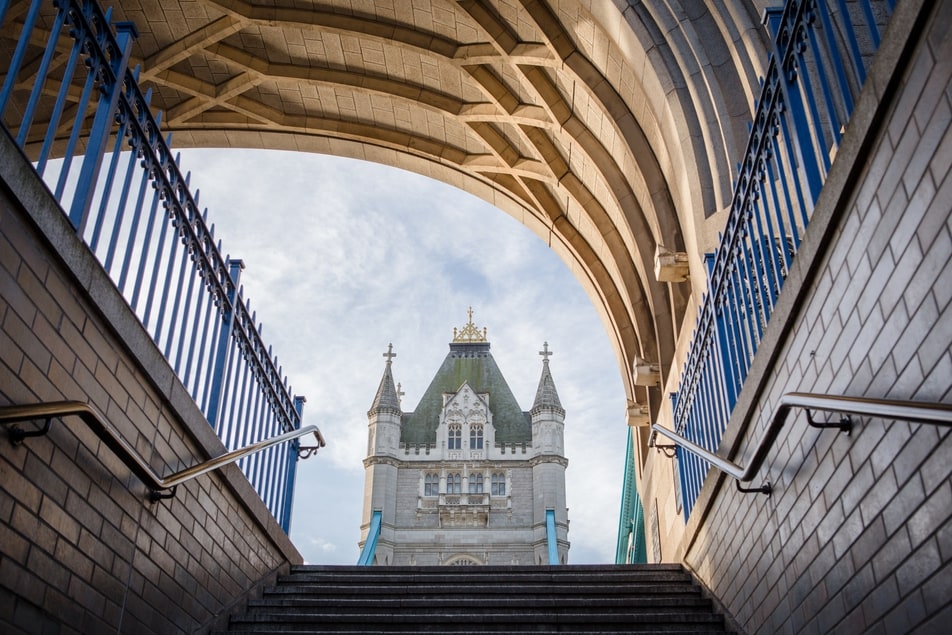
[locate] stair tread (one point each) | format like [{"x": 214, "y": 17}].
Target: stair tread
[
  {"x": 484, "y": 616},
  {"x": 380, "y": 603},
  {"x": 317, "y": 588},
  {"x": 563, "y": 599}
]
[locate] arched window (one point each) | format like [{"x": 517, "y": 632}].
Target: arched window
[
  {"x": 475, "y": 483},
  {"x": 476, "y": 436},
  {"x": 454, "y": 483},
  {"x": 455, "y": 440},
  {"x": 464, "y": 562},
  {"x": 498, "y": 484},
  {"x": 431, "y": 485}
]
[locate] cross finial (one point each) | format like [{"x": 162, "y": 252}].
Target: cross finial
[
  {"x": 545, "y": 352},
  {"x": 470, "y": 313},
  {"x": 389, "y": 354},
  {"x": 400, "y": 392}
]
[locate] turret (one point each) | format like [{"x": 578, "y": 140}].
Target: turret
[
  {"x": 383, "y": 441},
  {"x": 383, "y": 435},
  {"x": 548, "y": 415},
  {"x": 548, "y": 465}
]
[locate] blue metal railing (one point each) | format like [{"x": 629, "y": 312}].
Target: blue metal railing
[
  {"x": 822, "y": 51},
  {"x": 67, "y": 92}
]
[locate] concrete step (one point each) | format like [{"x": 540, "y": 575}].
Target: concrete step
[
  {"x": 386, "y": 604},
  {"x": 501, "y": 589},
  {"x": 485, "y": 621},
  {"x": 528, "y": 599}
]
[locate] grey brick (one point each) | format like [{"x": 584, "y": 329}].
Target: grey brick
[
  {"x": 918, "y": 567},
  {"x": 906, "y": 615},
  {"x": 931, "y": 515}
]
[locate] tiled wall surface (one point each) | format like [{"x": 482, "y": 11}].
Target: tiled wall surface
[{"x": 81, "y": 548}]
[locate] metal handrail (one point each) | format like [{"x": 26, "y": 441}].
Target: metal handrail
[
  {"x": 96, "y": 422},
  {"x": 935, "y": 414}
]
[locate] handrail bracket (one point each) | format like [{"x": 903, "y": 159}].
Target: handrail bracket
[
  {"x": 766, "y": 488},
  {"x": 17, "y": 434},
  {"x": 157, "y": 495},
  {"x": 845, "y": 424}
]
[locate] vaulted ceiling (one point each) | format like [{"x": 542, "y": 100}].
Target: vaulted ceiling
[{"x": 607, "y": 127}]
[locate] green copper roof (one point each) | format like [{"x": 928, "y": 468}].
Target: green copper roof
[{"x": 471, "y": 363}]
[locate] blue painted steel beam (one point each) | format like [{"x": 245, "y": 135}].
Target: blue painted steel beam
[
  {"x": 550, "y": 537},
  {"x": 370, "y": 545}
]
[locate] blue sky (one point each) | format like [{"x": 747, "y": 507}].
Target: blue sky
[{"x": 343, "y": 257}]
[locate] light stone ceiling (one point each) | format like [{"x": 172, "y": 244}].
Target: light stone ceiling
[{"x": 608, "y": 128}]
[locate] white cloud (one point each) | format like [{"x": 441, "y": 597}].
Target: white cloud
[{"x": 343, "y": 257}]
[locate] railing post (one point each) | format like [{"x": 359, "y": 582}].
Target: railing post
[
  {"x": 223, "y": 348},
  {"x": 103, "y": 122},
  {"x": 292, "y": 467}
]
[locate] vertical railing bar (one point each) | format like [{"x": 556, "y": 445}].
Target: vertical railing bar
[
  {"x": 873, "y": 28},
  {"x": 200, "y": 297},
  {"x": 58, "y": 108},
  {"x": 107, "y": 188},
  {"x": 258, "y": 428},
  {"x": 40, "y": 80},
  {"x": 121, "y": 210},
  {"x": 230, "y": 279},
  {"x": 4, "y": 5},
  {"x": 133, "y": 233},
  {"x": 768, "y": 250},
  {"x": 146, "y": 251},
  {"x": 762, "y": 249},
  {"x": 210, "y": 353},
  {"x": 290, "y": 480},
  {"x": 160, "y": 218},
  {"x": 169, "y": 271},
  {"x": 778, "y": 211},
  {"x": 817, "y": 138},
  {"x": 839, "y": 68},
  {"x": 176, "y": 317},
  {"x": 853, "y": 44},
  {"x": 208, "y": 361},
  {"x": 81, "y": 108},
  {"x": 103, "y": 120},
  {"x": 783, "y": 172},
  {"x": 735, "y": 297},
  {"x": 18, "y": 54},
  {"x": 264, "y": 430},
  {"x": 749, "y": 280}
]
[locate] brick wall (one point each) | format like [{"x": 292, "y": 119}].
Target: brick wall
[
  {"x": 81, "y": 548},
  {"x": 857, "y": 536}
]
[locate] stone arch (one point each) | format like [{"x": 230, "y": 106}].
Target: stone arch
[
  {"x": 465, "y": 560},
  {"x": 608, "y": 128}
]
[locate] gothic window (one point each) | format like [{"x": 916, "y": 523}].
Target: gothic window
[
  {"x": 499, "y": 484},
  {"x": 476, "y": 436},
  {"x": 475, "y": 483},
  {"x": 455, "y": 441},
  {"x": 454, "y": 483},
  {"x": 431, "y": 485}
]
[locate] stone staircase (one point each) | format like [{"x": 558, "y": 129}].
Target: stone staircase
[{"x": 557, "y": 599}]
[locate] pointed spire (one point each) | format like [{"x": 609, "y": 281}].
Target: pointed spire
[
  {"x": 546, "y": 394},
  {"x": 387, "y": 397}
]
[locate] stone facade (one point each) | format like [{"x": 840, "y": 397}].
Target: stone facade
[{"x": 467, "y": 478}]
